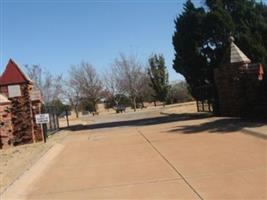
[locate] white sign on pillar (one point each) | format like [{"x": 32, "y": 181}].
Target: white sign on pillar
[
  {"x": 14, "y": 91},
  {"x": 42, "y": 118}
]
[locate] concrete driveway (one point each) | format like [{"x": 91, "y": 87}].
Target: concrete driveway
[{"x": 168, "y": 157}]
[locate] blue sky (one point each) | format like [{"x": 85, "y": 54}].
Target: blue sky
[{"x": 57, "y": 34}]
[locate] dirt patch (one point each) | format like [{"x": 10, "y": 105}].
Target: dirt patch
[{"x": 16, "y": 160}]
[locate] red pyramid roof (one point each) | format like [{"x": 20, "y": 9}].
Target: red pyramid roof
[{"x": 13, "y": 75}]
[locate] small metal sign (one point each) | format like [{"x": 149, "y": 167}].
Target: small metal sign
[
  {"x": 14, "y": 91},
  {"x": 42, "y": 118}
]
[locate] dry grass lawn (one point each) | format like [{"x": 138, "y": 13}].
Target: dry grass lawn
[{"x": 14, "y": 161}]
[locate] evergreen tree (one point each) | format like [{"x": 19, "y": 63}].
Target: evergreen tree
[
  {"x": 159, "y": 77},
  {"x": 202, "y": 33}
]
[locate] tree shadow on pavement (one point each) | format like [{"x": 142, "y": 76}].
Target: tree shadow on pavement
[
  {"x": 167, "y": 118},
  {"x": 222, "y": 125}
]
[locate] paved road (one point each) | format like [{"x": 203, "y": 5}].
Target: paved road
[{"x": 153, "y": 156}]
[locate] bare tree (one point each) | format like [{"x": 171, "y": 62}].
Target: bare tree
[
  {"x": 128, "y": 76},
  {"x": 51, "y": 86},
  {"x": 178, "y": 92},
  {"x": 73, "y": 94},
  {"x": 87, "y": 81},
  {"x": 112, "y": 89},
  {"x": 145, "y": 93}
]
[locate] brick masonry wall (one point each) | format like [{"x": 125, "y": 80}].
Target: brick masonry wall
[
  {"x": 21, "y": 115},
  {"x": 37, "y": 109},
  {"x": 227, "y": 82},
  {"x": 6, "y": 127},
  {"x": 238, "y": 91}
]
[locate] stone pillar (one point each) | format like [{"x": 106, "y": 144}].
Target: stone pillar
[
  {"x": 229, "y": 81},
  {"x": 18, "y": 88},
  {"x": 21, "y": 112},
  {"x": 6, "y": 128},
  {"x": 37, "y": 108},
  {"x": 229, "y": 90}
]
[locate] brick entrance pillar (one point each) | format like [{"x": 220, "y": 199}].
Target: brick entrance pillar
[
  {"x": 6, "y": 128},
  {"x": 17, "y": 87}
]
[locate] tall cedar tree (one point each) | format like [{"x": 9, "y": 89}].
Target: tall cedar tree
[
  {"x": 157, "y": 72},
  {"x": 201, "y": 36}
]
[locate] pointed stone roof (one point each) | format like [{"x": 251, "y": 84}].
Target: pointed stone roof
[
  {"x": 234, "y": 55},
  {"x": 237, "y": 56},
  {"x": 3, "y": 99},
  {"x": 13, "y": 75}
]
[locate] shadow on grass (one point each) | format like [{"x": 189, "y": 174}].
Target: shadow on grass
[
  {"x": 167, "y": 118},
  {"x": 223, "y": 125}
]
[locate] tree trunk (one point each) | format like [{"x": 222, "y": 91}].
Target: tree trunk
[
  {"x": 94, "y": 106},
  {"x": 134, "y": 104},
  {"x": 76, "y": 111}
]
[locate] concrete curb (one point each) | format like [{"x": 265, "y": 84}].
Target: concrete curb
[
  {"x": 254, "y": 133},
  {"x": 18, "y": 189}
]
